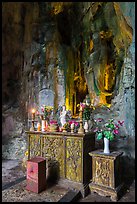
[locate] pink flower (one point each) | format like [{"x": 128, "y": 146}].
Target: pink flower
[
  {"x": 53, "y": 122},
  {"x": 76, "y": 123},
  {"x": 71, "y": 121},
  {"x": 99, "y": 119},
  {"x": 116, "y": 132},
  {"x": 42, "y": 109},
  {"x": 37, "y": 113},
  {"x": 121, "y": 122},
  {"x": 95, "y": 130},
  {"x": 82, "y": 105}
]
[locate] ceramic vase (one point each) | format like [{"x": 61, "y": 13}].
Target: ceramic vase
[
  {"x": 72, "y": 126},
  {"x": 86, "y": 126},
  {"x": 43, "y": 125},
  {"x": 106, "y": 146}
]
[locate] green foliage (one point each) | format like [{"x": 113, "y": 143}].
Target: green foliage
[
  {"x": 86, "y": 113},
  {"x": 108, "y": 134},
  {"x": 100, "y": 135}
]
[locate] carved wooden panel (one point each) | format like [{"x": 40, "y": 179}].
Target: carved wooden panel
[
  {"x": 74, "y": 159},
  {"x": 103, "y": 171},
  {"x": 35, "y": 145},
  {"x": 66, "y": 150},
  {"x": 53, "y": 147}
]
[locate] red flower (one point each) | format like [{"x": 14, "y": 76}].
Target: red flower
[
  {"x": 121, "y": 122},
  {"x": 70, "y": 122},
  {"x": 117, "y": 126}
]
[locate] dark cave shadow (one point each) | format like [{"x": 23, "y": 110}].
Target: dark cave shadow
[
  {"x": 53, "y": 173},
  {"x": 127, "y": 175}
]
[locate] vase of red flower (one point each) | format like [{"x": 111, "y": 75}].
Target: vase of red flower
[
  {"x": 107, "y": 131},
  {"x": 73, "y": 125},
  {"x": 53, "y": 126}
]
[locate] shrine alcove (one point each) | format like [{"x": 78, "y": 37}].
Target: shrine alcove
[{"x": 57, "y": 53}]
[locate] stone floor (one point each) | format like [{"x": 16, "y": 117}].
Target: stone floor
[{"x": 12, "y": 170}]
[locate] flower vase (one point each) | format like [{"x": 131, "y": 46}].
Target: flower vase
[
  {"x": 72, "y": 126},
  {"x": 86, "y": 126},
  {"x": 106, "y": 146},
  {"x": 43, "y": 126},
  {"x": 90, "y": 124}
]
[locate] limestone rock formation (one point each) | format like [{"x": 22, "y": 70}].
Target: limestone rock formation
[{"x": 58, "y": 52}]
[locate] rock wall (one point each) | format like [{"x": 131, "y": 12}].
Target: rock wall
[{"x": 113, "y": 22}]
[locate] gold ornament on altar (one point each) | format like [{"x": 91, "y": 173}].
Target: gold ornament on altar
[{"x": 81, "y": 129}]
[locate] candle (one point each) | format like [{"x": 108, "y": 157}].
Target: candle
[{"x": 33, "y": 114}]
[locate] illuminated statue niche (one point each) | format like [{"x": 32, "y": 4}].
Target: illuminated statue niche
[{"x": 76, "y": 87}]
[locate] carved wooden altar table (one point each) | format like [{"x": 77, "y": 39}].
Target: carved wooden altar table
[
  {"x": 70, "y": 151},
  {"x": 106, "y": 173}
]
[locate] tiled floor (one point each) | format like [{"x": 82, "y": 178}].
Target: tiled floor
[{"x": 12, "y": 170}]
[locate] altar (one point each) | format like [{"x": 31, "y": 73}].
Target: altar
[{"x": 70, "y": 151}]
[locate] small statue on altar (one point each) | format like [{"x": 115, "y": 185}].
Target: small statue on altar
[{"x": 63, "y": 114}]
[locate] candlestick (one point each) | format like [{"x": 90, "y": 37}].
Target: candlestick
[{"x": 32, "y": 126}]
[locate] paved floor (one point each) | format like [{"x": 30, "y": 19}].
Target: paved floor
[
  {"x": 127, "y": 196},
  {"x": 12, "y": 171}
]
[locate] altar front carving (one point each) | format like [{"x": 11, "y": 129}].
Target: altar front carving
[
  {"x": 103, "y": 172},
  {"x": 70, "y": 150}
]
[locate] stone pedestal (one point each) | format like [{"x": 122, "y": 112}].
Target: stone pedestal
[{"x": 106, "y": 174}]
